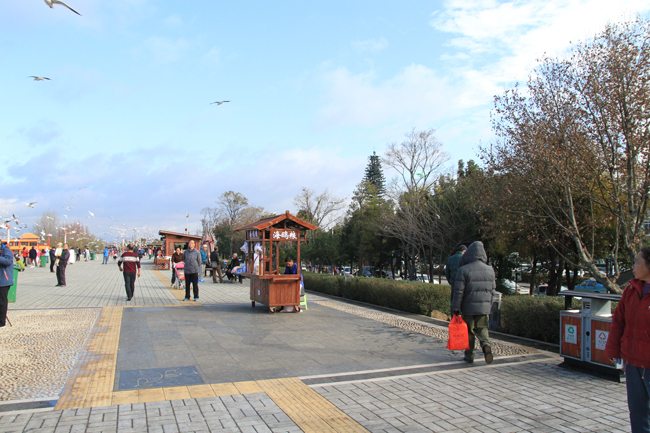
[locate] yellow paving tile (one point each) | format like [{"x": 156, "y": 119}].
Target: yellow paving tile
[
  {"x": 176, "y": 393},
  {"x": 91, "y": 381},
  {"x": 200, "y": 391},
  {"x": 125, "y": 397},
  {"x": 221, "y": 389},
  {"x": 247, "y": 387},
  {"x": 151, "y": 395},
  {"x": 308, "y": 409}
]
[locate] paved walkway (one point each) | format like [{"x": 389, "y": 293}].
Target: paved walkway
[{"x": 83, "y": 359}]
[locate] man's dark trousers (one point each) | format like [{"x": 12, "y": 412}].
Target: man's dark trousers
[
  {"x": 129, "y": 284},
  {"x": 52, "y": 263},
  {"x": 194, "y": 280},
  {"x": 60, "y": 275},
  {"x": 4, "y": 292}
]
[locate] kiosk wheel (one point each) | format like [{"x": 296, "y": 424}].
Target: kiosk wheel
[
  {"x": 272, "y": 310},
  {"x": 253, "y": 304}
]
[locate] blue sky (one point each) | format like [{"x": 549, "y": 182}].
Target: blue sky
[{"x": 315, "y": 88}]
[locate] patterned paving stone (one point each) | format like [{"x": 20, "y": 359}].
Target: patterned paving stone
[{"x": 40, "y": 349}]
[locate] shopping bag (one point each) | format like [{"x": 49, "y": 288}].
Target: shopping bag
[{"x": 458, "y": 338}]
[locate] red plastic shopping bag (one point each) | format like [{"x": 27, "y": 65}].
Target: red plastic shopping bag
[{"x": 458, "y": 338}]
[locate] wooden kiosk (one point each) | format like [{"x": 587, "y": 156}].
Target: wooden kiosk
[{"x": 262, "y": 265}]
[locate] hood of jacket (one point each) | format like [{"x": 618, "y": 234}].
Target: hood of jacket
[{"x": 475, "y": 252}]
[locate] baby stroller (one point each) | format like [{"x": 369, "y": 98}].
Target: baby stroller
[{"x": 179, "y": 271}]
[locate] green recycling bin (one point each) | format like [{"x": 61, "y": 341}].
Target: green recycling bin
[
  {"x": 12, "y": 289},
  {"x": 92, "y": 256},
  {"x": 43, "y": 261}
]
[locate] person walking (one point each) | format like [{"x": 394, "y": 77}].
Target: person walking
[
  {"x": 62, "y": 263},
  {"x": 6, "y": 280},
  {"x": 130, "y": 262},
  {"x": 106, "y": 253},
  {"x": 177, "y": 257},
  {"x": 629, "y": 341},
  {"x": 192, "y": 259},
  {"x": 453, "y": 263},
  {"x": 32, "y": 256},
  {"x": 25, "y": 256},
  {"x": 215, "y": 263},
  {"x": 87, "y": 253},
  {"x": 204, "y": 261},
  {"x": 472, "y": 296},
  {"x": 53, "y": 258}
]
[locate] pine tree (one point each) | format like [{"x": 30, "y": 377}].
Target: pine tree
[{"x": 375, "y": 175}]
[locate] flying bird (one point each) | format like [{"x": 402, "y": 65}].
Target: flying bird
[
  {"x": 82, "y": 188},
  {"x": 66, "y": 217},
  {"x": 36, "y": 78},
  {"x": 68, "y": 207},
  {"x": 91, "y": 214},
  {"x": 51, "y": 4},
  {"x": 31, "y": 203},
  {"x": 218, "y": 102},
  {"x": 72, "y": 197},
  {"x": 49, "y": 217}
]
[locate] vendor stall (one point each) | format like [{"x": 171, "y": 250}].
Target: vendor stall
[
  {"x": 170, "y": 241},
  {"x": 262, "y": 264}
]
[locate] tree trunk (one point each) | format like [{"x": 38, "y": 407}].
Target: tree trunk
[{"x": 533, "y": 276}]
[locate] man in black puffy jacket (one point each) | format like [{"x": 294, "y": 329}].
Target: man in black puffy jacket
[{"x": 472, "y": 296}]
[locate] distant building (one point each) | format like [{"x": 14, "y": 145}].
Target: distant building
[{"x": 27, "y": 240}]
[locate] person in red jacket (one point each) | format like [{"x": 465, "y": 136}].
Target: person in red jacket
[{"x": 629, "y": 340}]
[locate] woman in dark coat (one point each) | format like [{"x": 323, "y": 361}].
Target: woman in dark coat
[
  {"x": 629, "y": 340},
  {"x": 60, "y": 269}
]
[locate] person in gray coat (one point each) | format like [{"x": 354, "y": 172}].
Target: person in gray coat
[
  {"x": 472, "y": 296},
  {"x": 192, "y": 259}
]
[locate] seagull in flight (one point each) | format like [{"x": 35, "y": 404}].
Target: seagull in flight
[
  {"x": 218, "y": 102},
  {"x": 82, "y": 188},
  {"x": 68, "y": 207},
  {"x": 91, "y": 214},
  {"x": 31, "y": 203},
  {"x": 37, "y": 78},
  {"x": 51, "y": 4},
  {"x": 66, "y": 217},
  {"x": 48, "y": 217}
]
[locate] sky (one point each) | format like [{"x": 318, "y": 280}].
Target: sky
[{"x": 314, "y": 88}]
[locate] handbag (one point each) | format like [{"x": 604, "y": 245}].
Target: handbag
[{"x": 458, "y": 337}]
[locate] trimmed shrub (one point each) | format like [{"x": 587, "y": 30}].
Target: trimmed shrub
[
  {"x": 411, "y": 297},
  {"x": 535, "y": 317}
]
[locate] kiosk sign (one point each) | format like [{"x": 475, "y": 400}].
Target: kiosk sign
[
  {"x": 285, "y": 235},
  {"x": 601, "y": 339},
  {"x": 571, "y": 334}
]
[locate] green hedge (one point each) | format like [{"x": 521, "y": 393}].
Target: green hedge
[
  {"x": 411, "y": 297},
  {"x": 535, "y": 317}
]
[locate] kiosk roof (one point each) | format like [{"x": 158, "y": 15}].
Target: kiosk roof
[{"x": 292, "y": 222}]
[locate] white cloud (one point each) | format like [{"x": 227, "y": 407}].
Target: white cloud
[
  {"x": 166, "y": 50},
  {"x": 372, "y": 45},
  {"x": 504, "y": 39},
  {"x": 416, "y": 93},
  {"x": 42, "y": 131}
]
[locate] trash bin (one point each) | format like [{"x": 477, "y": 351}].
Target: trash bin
[
  {"x": 92, "y": 256},
  {"x": 12, "y": 289},
  {"x": 43, "y": 261}
]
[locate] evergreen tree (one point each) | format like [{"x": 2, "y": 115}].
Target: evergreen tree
[{"x": 375, "y": 175}]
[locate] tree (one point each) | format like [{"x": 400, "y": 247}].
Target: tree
[
  {"x": 317, "y": 209},
  {"x": 230, "y": 205},
  {"x": 418, "y": 160},
  {"x": 578, "y": 140},
  {"x": 375, "y": 175}
]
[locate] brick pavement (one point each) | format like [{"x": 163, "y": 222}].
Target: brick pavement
[{"x": 524, "y": 394}]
